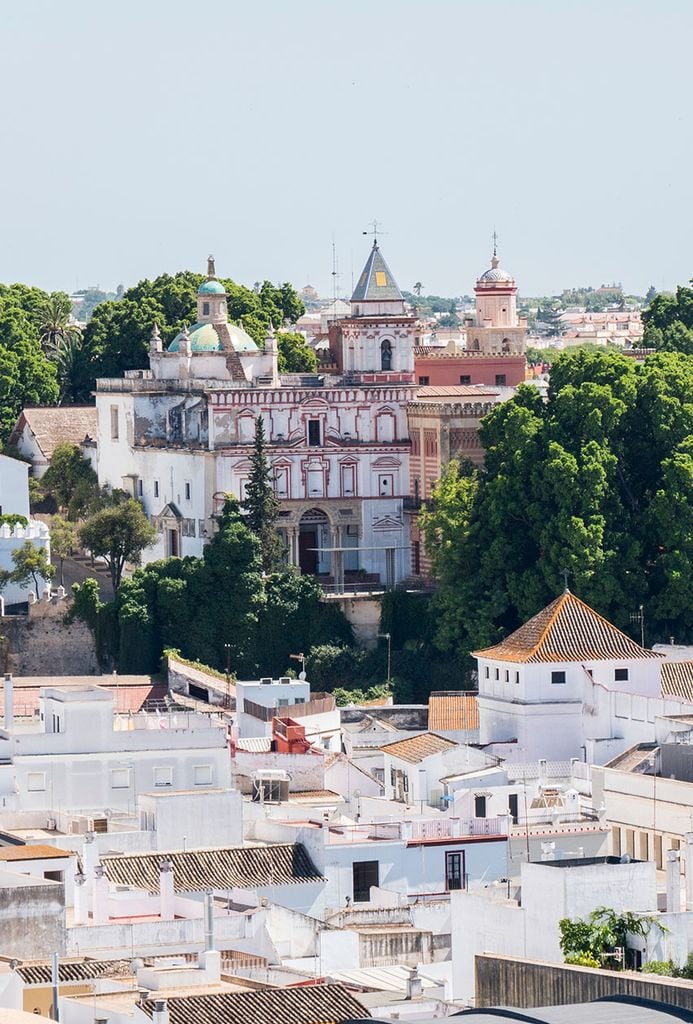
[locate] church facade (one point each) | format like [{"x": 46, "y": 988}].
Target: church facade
[{"x": 179, "y": 435}]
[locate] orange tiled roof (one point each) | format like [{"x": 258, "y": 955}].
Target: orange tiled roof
[
  {"x": 677, "y": 679},
  {"x": 566, "y": 630},
  {"x": 418, "y": 747},
  {"x": 51, "y": 425},
  {"x": 39, "y": 852},
  {"x": 452, "y": 710}
]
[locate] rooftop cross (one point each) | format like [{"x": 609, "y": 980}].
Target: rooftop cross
[
  {"x": 565, "y": 573},
  {"x": 374, "y": 231}
]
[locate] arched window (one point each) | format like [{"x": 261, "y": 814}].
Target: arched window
[
  {"x": 505, "y": 346},
  {"x": 386, "y": 355}
]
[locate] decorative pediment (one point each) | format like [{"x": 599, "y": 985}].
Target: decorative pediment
[
  {"x": 313, "y": 403},
  {"x": 388, "y": 524},
  {"x": 170, "y": 511},
  {"x": 387, "y": 462}
]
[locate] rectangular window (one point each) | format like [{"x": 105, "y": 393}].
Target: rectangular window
[
  {"x": 465, "y": 378},
  {"x": 558, "y": 677},
  {"x": 188, "y": 490},
  {"x": 36, "y": 782},
  {"x": 479, "y": 806},
  {"x": 365, "y": 874},
  {"x": 120, "y": 778},
  {"x": 140, "y": 488},
  {"x": 486, "y": 671},
  {"x": 620, "y": 675},
  {"x": 205, "y": 309},
  {"x": 615, "y": 841},
  {"x": 512, "y": 807},
  {"x": 454, "y": 871},
  {"x": 500, "y": 380},
  {"x": 163, "y": 776},
  {"x": 156, "y": 488},
  {"x": 115, "y": 423},
  {"x": 424, "y": 381},
  {"x": 507, "y": 676},
  {"x": 202, "y": 774},
  {"x": 314, "y": 433},
  {"x": 517, "y": 677},
  {"x": 497, "y": 673},
  {"x": 658, "y": 851}
]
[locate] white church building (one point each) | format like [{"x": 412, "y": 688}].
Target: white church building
[{"x": 179, "y": 435}]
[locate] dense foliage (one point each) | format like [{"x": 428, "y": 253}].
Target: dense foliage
[
  {"x": 198, "y": 605},
  {"x": 295, "y": 354},
  {"x": 28, "y": 376},
  {"x": 598, "y": 480},
  {"x": 669, "y": 322},
  {"x": 603, "y": 939},
  {"x": 260, "y": 505}
]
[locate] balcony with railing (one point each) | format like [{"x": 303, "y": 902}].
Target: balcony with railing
[{"x": 319, "y": 704}]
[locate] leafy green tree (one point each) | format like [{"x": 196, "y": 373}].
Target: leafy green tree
[
  {"x": 260, "y": 506},
  {"x": 31, "y": 565},
  {"x": 650, "y": 294},
  {"x": 70, "y": 479},
  {"x": 26, "y": 375},
  {"x": 597, "y": 480},
  {"x": 669, "y": 321},
  {"x": 118, "y": 534},
  {"x": 295, "y": 354},
  {"x": 63, "y": 540}
]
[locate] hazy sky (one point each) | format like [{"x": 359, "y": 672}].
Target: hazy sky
[{"x": 137, "y": 136}]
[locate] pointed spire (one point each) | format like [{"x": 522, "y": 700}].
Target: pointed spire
[
  {"x": 494, "y": 258},
  {"x": 184, "y": 346},
  {"x": 155, "y": 344},
  {"x": 376, "y": 283},
  {"x": 211, "y": 271}
]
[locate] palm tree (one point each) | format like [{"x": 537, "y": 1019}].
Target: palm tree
[
  {"x": 67, "y": 365},
  {"x": 54, "y": 325},
  {"x": 417, "y": 288}
]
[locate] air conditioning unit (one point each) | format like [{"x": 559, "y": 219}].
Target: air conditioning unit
[
  {"x": 51, "y": 825},
  {"x": 266, "y": 680},
  {"x": 99, "y": 825},
  {"x": 285, "y": 679}
]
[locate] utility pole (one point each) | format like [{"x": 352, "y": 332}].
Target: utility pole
[
  {"x": 227, "y": 648},
  {"x": 388, "y": 637}
]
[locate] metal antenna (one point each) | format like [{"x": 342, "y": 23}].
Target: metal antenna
[
  {"x": 565, "y": 575},
  {"x": 335, "y": 273}
]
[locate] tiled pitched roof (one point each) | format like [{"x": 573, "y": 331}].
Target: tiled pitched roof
[
  {"x": 197, "y": 870},
  {"x": 51, "y": 425},
  {"x": 677, "y": 679},
  {"x": 566, "y": 630},
  {"x": 39, "y": 972},
  {"x": 376, "y": 282},
  {"x": 309, "y": 1004},
  {"x": 452, "y": 710},
  {"x": 418, "y": 747},
  {"x": 429, "y": 391},
  {"x": 130, "y": 693},
  {"x": 36, "y": 852}
]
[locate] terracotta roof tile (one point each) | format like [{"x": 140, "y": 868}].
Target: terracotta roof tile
[
  {"x": 37, "y": 852},
  {"x": 452, "y": 710},
  {"x": 198, "y": 870},
  {"x": 309, "y": 1004},
  {"x": 677, "y": 679},
  {"x": 418, "y": 747},
  {"x": 566, "y": 630},
  {"x": 39, "y": 972},
  {"x": 51, "y": 425}
]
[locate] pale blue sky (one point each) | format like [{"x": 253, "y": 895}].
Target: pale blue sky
[{"x": 137, "y": 136}]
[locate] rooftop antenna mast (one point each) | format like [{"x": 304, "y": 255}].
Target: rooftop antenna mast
[{"x": 335, "y": 275}]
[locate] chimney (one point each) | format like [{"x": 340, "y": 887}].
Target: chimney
[
  {"x": 99, "y": 910},
  {"x": 689, "y": 870},
  {"x": 166, "y": 891},
  {"x": 160, "y": 1015},
  {"x": 209, "y": 921},
  {"x": 673, "y": 882},
  {"x": 210, "y": 959},
  {"x": 55, "y": 986},
  {"x": 81, "y": 909},
  {"x": 9, "y": 701},
  {"x": 414, "y": 986}
]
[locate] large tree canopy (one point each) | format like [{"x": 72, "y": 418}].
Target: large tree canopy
[
  {"x": 598, "y": 480},
  {"x": 669, "y": 321}
]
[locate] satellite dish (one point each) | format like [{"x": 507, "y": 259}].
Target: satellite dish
[{"x": 302, "y": 675}]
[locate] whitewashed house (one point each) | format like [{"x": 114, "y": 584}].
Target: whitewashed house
[
  {"x": 14, "y": 501},
  {"x": 569, "y": 684},
  {"x": 260, "y": 701}
]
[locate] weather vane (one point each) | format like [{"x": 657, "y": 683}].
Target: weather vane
[
  {"x": 375, "y": 231},
  {"x": 495, "y": 243}
]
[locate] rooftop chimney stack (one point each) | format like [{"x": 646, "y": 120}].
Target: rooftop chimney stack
[
  {"x": 160, "y": 1015},
  {"x": 9, "y": 701},
  {"x": 673, "y": 882},
  {"x": 166, "y": 891},
  {"x": 689, "y": 870}
]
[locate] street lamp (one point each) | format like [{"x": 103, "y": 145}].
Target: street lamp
[
  {"x": 227, "y": 648},
  {"x": 388, "y": 637},
  {"x": 302, "y": 658}
]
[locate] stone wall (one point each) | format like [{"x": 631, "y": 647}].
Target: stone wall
[
  {"x": 33, "y": 917},
  {"x": 42, "y": 643}
]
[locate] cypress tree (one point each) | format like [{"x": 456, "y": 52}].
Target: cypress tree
[{"x": 260, "y": 506}]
